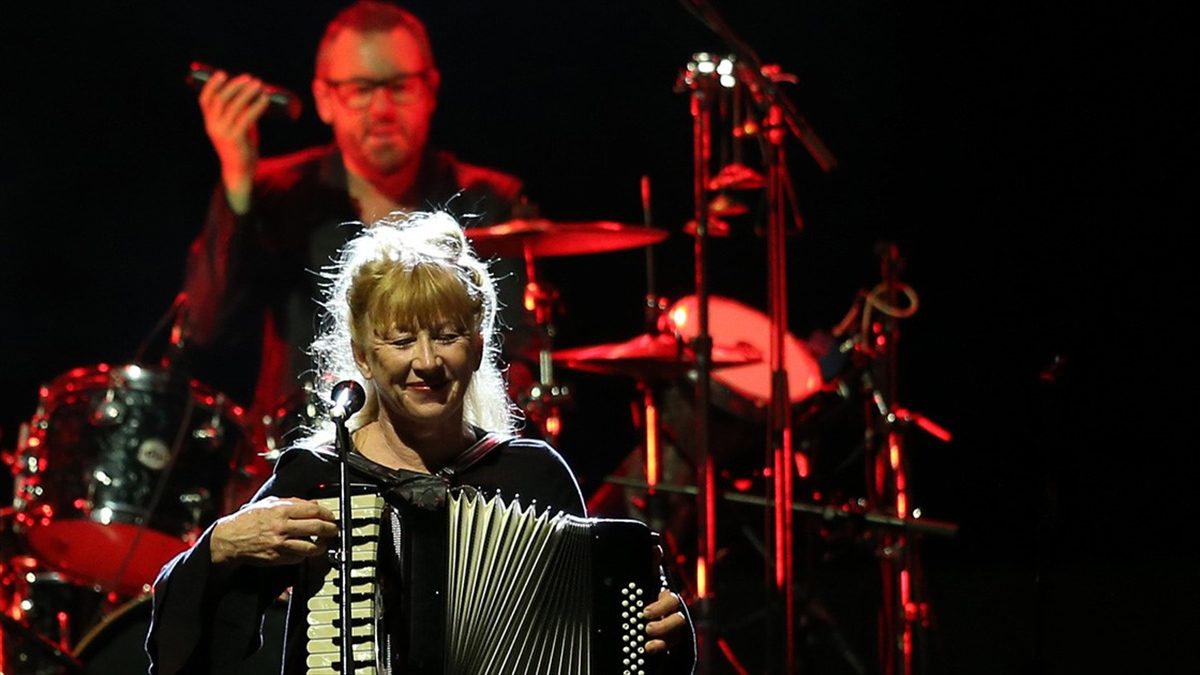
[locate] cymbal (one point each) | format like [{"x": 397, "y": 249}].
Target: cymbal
[
  {"x": 737, "y": 177},
  {"x": 724, "y": 205},
  {"x": 651, "y": 356},
  {"x": 543, "y": 238}
]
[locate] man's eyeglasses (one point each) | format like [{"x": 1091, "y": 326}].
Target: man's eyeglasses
[{"x": 356, "y": 93}]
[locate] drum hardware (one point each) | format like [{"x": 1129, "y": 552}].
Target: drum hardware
[
  {"x": 648, "y": 359},
  {"x": 42, "y": 614},
  {"x": 716, "y": 227},
  {"x": 295, "y": 412},
  {"x": 708, "y": 79},
  {"x": 545, "y": 399},
  {"x": 23, "y": 650},
  {"x": 850, "y": 511},
  {"x": 902, "y": 620},
  {"x": 724, "y": 205}
]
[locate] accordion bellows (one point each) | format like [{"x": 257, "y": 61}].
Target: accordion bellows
[{"x": 522, "y": 591}]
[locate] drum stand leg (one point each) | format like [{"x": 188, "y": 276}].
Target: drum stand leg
[{"x": 652, "y": 457}]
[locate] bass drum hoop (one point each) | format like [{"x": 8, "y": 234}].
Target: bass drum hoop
[{"x": 267, "y": 660}]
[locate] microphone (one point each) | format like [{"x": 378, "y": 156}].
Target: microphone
[
  {"x": 348, "y": 398},
  {"x": 280, "y": 101}
]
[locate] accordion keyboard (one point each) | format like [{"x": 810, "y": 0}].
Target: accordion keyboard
[{"x": 324, "y": 622}]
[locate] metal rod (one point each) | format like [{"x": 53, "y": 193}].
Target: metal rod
[
  {"x": 345, "y": 555},
  {"x": 827, "y": 512},
  {"x": 705, "y": 479}
]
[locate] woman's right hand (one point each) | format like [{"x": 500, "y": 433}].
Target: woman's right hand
[
  {"x": 232, "y": 108},
  {"x": 273, "y": 531}
]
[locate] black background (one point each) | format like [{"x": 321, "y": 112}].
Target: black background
[{"x": 1034, "y": 166}]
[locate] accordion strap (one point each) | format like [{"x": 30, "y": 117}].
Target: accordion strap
[
  {"x": 489, "y": 441},
  {"x": 427, "y": 491}
]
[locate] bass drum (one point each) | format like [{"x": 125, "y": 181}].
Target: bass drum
[
  {"x": 123, "y": 467},
  {"x": 739, "y": 394},
  {"x": 118, "y": 644},
  {"x": 746, "y": 390}
]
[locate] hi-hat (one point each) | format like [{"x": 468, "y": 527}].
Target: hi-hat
[
  {"x": 540, "y": 238},
  {"x": 651, "y": 356},
  {"x": 737, "y": 177}
]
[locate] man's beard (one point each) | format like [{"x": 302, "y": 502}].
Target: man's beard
[{"x": 383, "y": 156}]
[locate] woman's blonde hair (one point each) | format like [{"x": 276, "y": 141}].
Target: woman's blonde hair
[{"x": 408, "y": 270}]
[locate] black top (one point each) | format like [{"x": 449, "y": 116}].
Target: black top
[{"x": 207, "y": 617}]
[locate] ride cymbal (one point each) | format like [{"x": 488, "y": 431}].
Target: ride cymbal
[{"x": 540, "y": 238}]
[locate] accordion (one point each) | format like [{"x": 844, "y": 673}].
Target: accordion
[{"x": 486, "y": 586}]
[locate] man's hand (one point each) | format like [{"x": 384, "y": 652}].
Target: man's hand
[
  {"x": 232, "y": 108},
  {"x": 273, "y": 531}
]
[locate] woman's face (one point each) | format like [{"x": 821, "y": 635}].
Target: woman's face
[{"x": 421, "y": 374}]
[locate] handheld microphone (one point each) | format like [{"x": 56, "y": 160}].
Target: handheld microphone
[
  {"x": 348, "y": 398},
  {"x": 280, "y": 101}
]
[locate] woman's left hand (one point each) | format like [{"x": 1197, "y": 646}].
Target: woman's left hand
[{"x": 666, "y": 625}]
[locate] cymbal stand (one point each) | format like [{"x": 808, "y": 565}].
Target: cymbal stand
[
  {"x": 779, "y": 426},
  {"x": 654, "y": 307},
  {"x": 545, "y": 400}
]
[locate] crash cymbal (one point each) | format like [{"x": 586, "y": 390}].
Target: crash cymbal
[
  {"x": 651, "y": 356},
  {"x": 542, "y": 238}
]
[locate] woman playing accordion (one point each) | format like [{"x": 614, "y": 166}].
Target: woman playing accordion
[{"x": 411, "y": 316}]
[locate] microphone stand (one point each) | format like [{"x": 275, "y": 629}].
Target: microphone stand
[
  {"x": 652, "y": 457},
  {"x": 348, "y": 398},
  {"x": 762, "y": 87},
  {"x": 702, "y": 90},
  {"x": 345, "y": 554},
  {"x": 780, "y": 113}
]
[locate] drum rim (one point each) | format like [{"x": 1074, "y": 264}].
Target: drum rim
[
  {"x": 116, "y": 615},
  {"x": 129, "y": 609},
  {"x": 132, "y": 377}
]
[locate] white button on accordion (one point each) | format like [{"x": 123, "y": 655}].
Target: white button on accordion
[{"x": 486, "y": 586}]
